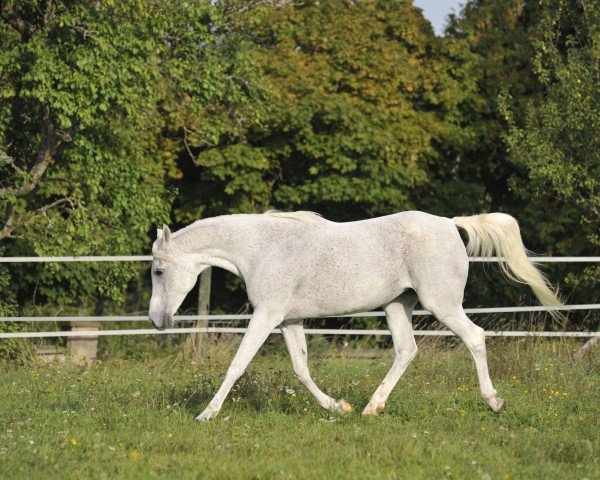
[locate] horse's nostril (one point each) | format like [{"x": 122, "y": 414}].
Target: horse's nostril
[{"x": 158, "y": 327}]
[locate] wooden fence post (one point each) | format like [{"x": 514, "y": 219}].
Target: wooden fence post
[
  {"x": 84, "y": 348},
  {"x": 195, "y": 345}
]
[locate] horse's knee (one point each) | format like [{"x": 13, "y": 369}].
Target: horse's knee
[
  {"x": 413, "y": 352},
  {"x": 234, "y": 372},
  {"x": 406, "y": 353},
  {"x": 302, "y": 375}
]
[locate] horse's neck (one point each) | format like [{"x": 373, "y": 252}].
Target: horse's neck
[{"x": 228, "y": 242}]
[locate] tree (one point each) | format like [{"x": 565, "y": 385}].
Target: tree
[
  {"x": 97, "y": 100},
  {"x": 557, "y": 140},
  {"x": 499, "y": 35},
  {"x": 356, "y": 98},
  {"x": 504, "y": 37},
  {"x": 79, "y": 87}
]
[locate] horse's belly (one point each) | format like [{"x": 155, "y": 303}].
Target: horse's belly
[{"x": 349, "y": 294}]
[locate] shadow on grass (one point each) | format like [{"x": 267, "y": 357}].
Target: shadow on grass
[{"x": 258, "y": 392}]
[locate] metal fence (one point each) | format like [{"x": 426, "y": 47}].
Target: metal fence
[{"x": 316, "y": 331}]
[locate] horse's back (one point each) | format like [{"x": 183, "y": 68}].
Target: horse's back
[
  {"x": 407, "y": 232},
  {"x": 334, "y": 268}
]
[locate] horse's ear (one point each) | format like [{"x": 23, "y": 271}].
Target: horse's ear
[
  {"x": 166, "y": 235},
  {"x": 159, "y": 234}
]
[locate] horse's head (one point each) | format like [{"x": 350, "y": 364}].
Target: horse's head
[{"x": 173, "y": 275}]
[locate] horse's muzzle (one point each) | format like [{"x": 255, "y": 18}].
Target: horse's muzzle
[{"x": 167, "y": 322}]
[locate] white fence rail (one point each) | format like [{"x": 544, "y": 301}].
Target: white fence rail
[
  {"x": 224, "y": 318},
  {"x": 221, "y": 318},
  {"x": 309, "y": 331},
  {"x": 148, "y": 258}
]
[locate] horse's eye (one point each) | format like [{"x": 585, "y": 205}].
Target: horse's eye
[{"x": 158, "y": 272}]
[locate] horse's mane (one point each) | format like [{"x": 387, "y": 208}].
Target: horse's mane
[
  {"x": 301, "y": 216},
  {"x": 159, "y": 252}
]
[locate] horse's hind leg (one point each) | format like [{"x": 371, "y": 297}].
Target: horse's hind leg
[
  {"x": 293, "y": 333},
  {"x": 398, "y": 315},
  {"x": 474, "y": 338}
]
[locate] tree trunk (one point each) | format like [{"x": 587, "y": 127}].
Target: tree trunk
[{"x": 195, "y": 346}]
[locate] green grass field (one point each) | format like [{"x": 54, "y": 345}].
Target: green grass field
[{"x": 134, "y": 419}]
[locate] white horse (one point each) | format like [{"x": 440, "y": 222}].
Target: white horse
[{"x": 299, "y": 265}]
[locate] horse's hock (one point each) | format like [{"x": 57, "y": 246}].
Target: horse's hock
[{"x": 83, "y": 348}]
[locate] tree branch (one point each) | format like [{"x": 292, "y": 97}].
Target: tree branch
[
  {"x": 7, "y": 14},
  {"x": 588, "y": 204},
  {"x": 6, "y": 160},
  {"x": 11, "y": 224},
  {"x": 50, "y": 141},
  {"x": 49, "y": 12}
]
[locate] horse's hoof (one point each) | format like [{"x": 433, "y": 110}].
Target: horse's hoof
[
  {"x": 372, "y": 410},
  {"x": 341, "y": 407},
  {"x": 206, "y": 416},
  {"x": 495, "y": 404}
]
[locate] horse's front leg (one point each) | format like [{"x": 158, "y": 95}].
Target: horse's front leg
[
  {"x": 293, "y": 333},
  {"x": 260, "y": 326}
]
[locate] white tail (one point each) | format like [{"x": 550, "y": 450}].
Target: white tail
[{"x": 499, "y": 232}]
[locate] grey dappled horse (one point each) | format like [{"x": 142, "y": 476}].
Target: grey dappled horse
[{"x": 300, "y": 265}]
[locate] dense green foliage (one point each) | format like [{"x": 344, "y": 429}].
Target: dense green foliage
[
  {"x": 557, "y": 140},
  {"x": 87, "y": 90},
  {"x": 134, "y": 419},
  {"x": 117, "y": 116},
  {"x": 499, "y": 35},
  {"x": 79, "y": 127},
  {"x": 352, "y": 114}
]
